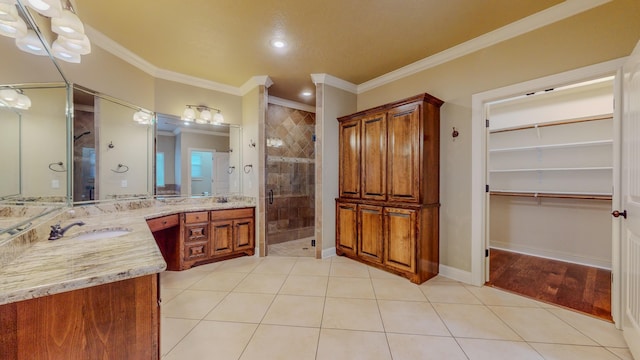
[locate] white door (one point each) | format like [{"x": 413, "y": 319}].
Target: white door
[
  {"x": 221, "y": 173},
  {"x": 201, "y": 168},
  {"x": 631, "y": 202}
]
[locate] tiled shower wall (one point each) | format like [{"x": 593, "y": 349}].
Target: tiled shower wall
[{"x": 290, "y": 174}]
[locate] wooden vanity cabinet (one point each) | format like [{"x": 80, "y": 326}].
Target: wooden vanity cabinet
[
  {"x": 166, "y": 232},
  {"x": 232, "y": 231},
  {"x": 387, "y": 212},
  {"x": 199, "y": 237},
  {"x": 119, "y": 320}
]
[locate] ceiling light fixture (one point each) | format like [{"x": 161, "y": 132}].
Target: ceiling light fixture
[
  {"x": 307, "y": 93},
  {"x": 71, "y": 42},
  {"x": 204, "y": 116},
  {"x": 278, "y": 43}
]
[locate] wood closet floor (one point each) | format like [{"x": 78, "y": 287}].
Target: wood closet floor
[{"x": 582, "y": 288}]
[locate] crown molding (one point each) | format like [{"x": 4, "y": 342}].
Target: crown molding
[
  {"x": 291, "y": 104},
  {"x": 540, "y": 19},
  {"x": 335, "y": 82},
  {"x": 128, "y": 56},
  {"x": 255, "y": 81}
]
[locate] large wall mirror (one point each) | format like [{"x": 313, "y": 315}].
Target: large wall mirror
[
  {"x": 112, "y": 148},
  {"x": 34, "y": 137},
  {"x": 197, "y": 159}
]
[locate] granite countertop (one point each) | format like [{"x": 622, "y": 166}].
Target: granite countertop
[{"x": 49, "y": 267}]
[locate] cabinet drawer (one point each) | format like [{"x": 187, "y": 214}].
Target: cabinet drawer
[
  {"x": 196, "y": 217},
  {"x": 163, "y": 222},
  {"x": 231, "y": 214},
  {"x": 196, "y": 251},
  {"x": 199, "y": 232}
]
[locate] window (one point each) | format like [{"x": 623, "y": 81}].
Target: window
[
  {"x": 160, "y": 169},
  {"x": 196, "y": 165}
]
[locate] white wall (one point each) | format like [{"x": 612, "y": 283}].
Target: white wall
[
  {"x": 44, "y": 141},
  {"x": 331, "y": 103},
  {"x": 10, "y": 150},
  {"x": 131, "y": 147},
  {"x": 167, "y": 144}
]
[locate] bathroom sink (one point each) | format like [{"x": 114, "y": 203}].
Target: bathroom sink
[{"x": 102, "y": 234}]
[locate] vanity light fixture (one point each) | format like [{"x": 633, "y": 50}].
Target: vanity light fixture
[
  {"x": 71, "y": 42},
  {"x": 306, "y": 93},
  {"x": 142, "y": 117},
  {"x": 204, "y": 116},
  {"x": 15, "y": 98},
  {"x": 11, "y": 24},
  {"x": 48, "y": 8},
  {"x": 31, "y": 43}
]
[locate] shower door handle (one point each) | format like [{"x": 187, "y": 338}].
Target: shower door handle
[{"x": 271, "y": 196}]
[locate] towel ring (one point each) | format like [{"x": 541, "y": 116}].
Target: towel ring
[
  {"x": 119, "y": 169},
  {"x": 59, "y": 163}
]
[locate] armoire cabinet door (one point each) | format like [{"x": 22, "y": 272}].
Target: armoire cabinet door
[
  {"x": 404, "y": 153},
  {"x": 374, "y": 157},
  {"x": 400, "y": 227},
  {"x": 350, "y": 159},
  {"x": 371, "y": 233},
  {"x": 346, "y": 228}
]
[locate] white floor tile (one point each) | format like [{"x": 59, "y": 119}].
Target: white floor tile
[
  {"x": 397, "y": 289},
  {"x": 350, "y": 288},
  {"x": 411, "y": 317},
  {"x": 602, "y": 332},
  {"x": 570, "y": 352},
  {"x": 414, "y": 347},
  {"x": 451, "y": 293},
  {"x": 213, "y": 340},
  {"x": 282, "y": 343},
  {"x": 479, "y": 349},
  {"x": 352, "y": 314},
  {"x": 474, "y": 321},
  {"x": 539, "y": 325},
  {"x": 352, "y": 345},
  {"x": 174, "y": 330},
  {"x": 242, "y": 307},
  {"x": 295, "y": 310},
  {"x": 192, "y": 304}
]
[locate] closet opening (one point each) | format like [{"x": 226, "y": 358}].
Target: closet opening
[
  {"x": 290, "y": 181},
  {"x": 550, "y": 166}
]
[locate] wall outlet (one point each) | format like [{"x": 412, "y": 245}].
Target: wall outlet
[
  {"x": 55, "y": 184},
  {"x": 313, "y": 242},
  {"x": 123, "y": 183}
]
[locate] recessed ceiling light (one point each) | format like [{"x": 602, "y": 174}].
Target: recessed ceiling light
[
  {"x": 307, "y": 93},
  {"x": 278, "y": 43}
]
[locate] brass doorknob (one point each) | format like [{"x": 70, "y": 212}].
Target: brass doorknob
[{"x": 617, "y": 213}]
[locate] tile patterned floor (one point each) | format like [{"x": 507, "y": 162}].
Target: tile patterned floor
[
  {"x": 300, "y": 247},
  {"x": 336, "y": 308}
]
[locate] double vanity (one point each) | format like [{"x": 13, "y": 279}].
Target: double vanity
[{"x": 94, "y": 293}]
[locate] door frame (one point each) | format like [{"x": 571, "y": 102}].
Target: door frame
[
  {"x": 190, "y": 150},
  {"x": 479, "y": 158}
]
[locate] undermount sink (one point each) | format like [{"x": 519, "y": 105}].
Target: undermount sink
[{"x": 102, "y": 234}]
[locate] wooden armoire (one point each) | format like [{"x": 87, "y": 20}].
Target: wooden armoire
[{"x": 387, "y": 212}]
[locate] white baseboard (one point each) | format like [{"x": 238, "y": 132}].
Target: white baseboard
[
  {"x": 328, "y": 252},
  {"x": 552, "y": 254},
  {"x": 455, "y": 274}
]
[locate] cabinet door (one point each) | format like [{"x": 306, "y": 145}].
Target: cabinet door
[
  {"x": 346, "y": 228},
  {"x": 374, "y": 157},
  {"x": 350, "y": 159},
  {"x": 404, "y": 153},
  {"x": 244, "y": 234},
  {"x": 221, "y": 237},
  {"x": 371, "y": 233},
  {"x": 400, "y": 235}
]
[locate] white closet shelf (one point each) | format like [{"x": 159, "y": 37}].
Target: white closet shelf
[
  {"x": 555, "y": 146},
  {"x": 553, "y": 194},
  {"x": 597, "y": 168}
]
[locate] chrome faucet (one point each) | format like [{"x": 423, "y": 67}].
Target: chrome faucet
[{"x": 57, "y": 232}]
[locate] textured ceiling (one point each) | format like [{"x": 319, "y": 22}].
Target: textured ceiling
[{"x": 228, "y": 41}]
